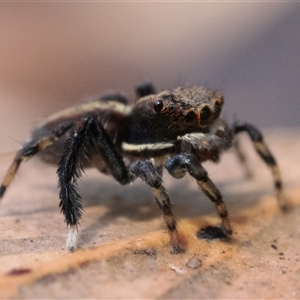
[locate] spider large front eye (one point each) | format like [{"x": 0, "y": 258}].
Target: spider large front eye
[
  {"x": 158, "y": 105},
  {"x": 205, "y": 114},
  {"x": 190, "y": 116}
]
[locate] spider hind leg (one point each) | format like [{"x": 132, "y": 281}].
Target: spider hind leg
[{"x": 31, "y": 148}]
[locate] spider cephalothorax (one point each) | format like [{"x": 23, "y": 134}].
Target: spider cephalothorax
[
  {"x": 177, "y": 130},
  {"x": 169, "y": 114}
]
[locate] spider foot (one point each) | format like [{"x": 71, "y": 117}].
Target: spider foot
[
  {"x": 176, "y": 249},
  {"x": 177, "y": 243},
  {"x": 226, "y": 227},
  {"x": 283, "y": 201}
]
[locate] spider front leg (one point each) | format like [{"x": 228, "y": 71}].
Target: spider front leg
[
  {"x": 69, "y": 170},
  {"x": 266, "y": 155},
  {"x": 177, "y": 167},
  {"x": 31, "y": 148},
  {"x": 86, "y": 132},
  {"x": 147, "y": 172}
]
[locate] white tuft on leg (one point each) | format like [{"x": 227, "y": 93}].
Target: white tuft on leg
[{"x": 71, "y": 243}]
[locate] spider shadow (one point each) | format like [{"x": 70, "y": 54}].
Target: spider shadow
[
  {"x": 132, "y": 203},
  {"x": 137, "y": 204}
]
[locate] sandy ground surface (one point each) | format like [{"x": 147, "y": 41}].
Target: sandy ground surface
[{"x": 123, "y": 244}]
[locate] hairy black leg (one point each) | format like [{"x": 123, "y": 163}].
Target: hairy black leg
[
  {"x": 87, "y": 131},
  {"x": 69, "y": 171},
  {"x": 110, "y": 155},
  {"x": 179, "y": 164},
  {"x": 266, "y": 155},
  {"x": 30, "y": 149},
  {"x": 147, "y": 172}
]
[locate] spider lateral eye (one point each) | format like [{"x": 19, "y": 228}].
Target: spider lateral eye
[
  {"x": 158, "y": 105},
  {"x": 190, "y": 116},
  {"x": 205, "y": 114}
]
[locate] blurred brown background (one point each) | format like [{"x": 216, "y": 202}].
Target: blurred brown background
[{"x": 55, "y": 54}]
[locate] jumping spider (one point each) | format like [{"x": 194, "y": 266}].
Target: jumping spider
[{"x": 177, "y": 129}]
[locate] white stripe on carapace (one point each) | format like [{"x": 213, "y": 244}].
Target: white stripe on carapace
[
  {"x": 82, "y": 109},
  {"x": 146, "y": 147}
]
